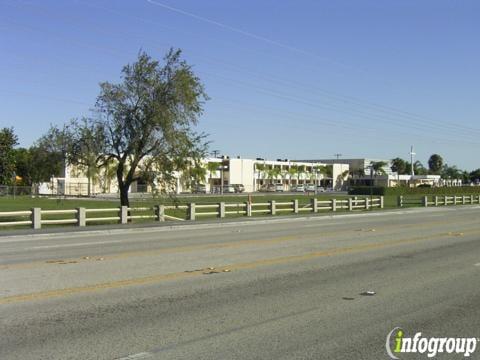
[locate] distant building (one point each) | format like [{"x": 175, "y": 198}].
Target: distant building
[
  {"x": 361, "y": 174},
  {"x": 253, "y": 174},
  {"x": 358, "y": 166},
  {"x": 394, "y": 179}
]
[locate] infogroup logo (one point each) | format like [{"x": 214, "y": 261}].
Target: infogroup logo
[{"x": 397, "y": 343}]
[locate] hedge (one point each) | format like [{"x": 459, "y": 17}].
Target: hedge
[{"x": 403, "y": 190}]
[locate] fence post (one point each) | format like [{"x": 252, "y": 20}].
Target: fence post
[
  {"x": 436, "y": 200},
  {"x": 159, "y": 212},
  {"x": 445, "y": 200},
  {"x": 314, "y": 203},
  {"x": 478, "y": 198},
  {"x": 400, "y": 201},
  {"x": 350, "y": 204},
  {"x": 191, "y": 211},
  {"x": 36, "y": 218},
  {"x": 81, "y": 216},
  {"x": 471, "y": 199},
  {"x": 123, "y": 214},
  {"x": 295, "y": 206},
  {"x": 464, "y": 200},
  {"x": 248, "y": 207},
  {"x": 382, "y": 202},
  {"x": 221, "y": 210},
  {"x": 425, "y": 201},
  {"x": 334, "y": 204},
  {"x": 367, "y": 203},
  {"x": 454, "y": 199},
  {"x": 273, "y": 208}
]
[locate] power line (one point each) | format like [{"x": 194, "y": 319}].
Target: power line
[
  {"x": 245, "y": 33},
  {"x": 330, "y": 108},
  {"x": 406, "y": 117}
]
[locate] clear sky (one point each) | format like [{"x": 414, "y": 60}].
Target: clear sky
[{"x": 287, "y": 79}]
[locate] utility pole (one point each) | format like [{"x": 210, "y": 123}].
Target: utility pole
[
  {"x": 412, "y": 154},
  {"x": 337, "y": 155},
  {"x": 215, "y": 153}
]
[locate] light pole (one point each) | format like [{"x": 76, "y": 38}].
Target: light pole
[{"x": 412, "y": 154}]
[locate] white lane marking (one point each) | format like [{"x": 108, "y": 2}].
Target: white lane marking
[
  {"x": 142, "y": 355},
  {"x": 72, "y": 245}
]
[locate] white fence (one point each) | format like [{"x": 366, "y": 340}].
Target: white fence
[
  {"x": 37, "y": 217},
  {"x": 438, "y": 200}
]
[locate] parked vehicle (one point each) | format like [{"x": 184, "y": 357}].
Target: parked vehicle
[
  {"x": 199, "y": 189},
  {"x": 310, "y": 188},
  {"x": 268, "y": 187},
  {"x": 279, "y": 187},
  {"x": 228, "y": 189},
  {"x": 320, "y": 189},
  {"x": 298, "y": 188},
  {"x": 239, "y": 188}
]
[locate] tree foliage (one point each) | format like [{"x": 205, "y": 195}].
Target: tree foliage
[
  {"x": 399, "y": 166},
  {"x": 377, "y": 167},
  {"x": 8, "y": 140},
  {"x": 435, "y": 163},
  {"x": 147, "y": 121}
]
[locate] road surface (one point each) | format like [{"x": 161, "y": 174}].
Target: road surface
[{"x": 283, "y": 289}]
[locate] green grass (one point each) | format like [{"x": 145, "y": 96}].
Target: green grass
[{"x": 25, "y": 203}]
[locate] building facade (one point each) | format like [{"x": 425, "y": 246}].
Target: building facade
[{"x": 253, "y": 174}]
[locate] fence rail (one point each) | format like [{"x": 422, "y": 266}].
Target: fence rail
[
  {"x": 37, "y": 217},
  {"x": 436, "y": 200}
]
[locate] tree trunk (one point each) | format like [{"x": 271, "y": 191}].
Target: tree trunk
[
  {"x": 124, "y": 195},
  {"x": 89, "y": 192}
]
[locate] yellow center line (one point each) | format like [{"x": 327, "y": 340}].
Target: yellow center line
[{"x": 238, "y": 266}]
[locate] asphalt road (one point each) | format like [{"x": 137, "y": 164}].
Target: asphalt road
[{"x": 283, "y": 289}]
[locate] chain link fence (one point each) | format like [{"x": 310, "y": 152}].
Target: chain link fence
[{"x": 12, "y": 191}]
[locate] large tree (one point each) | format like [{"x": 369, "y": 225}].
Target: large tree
[
  {"x": 151, "y": 115},
  {"x": 435, "y": 163},
  {"x": 8, "y": 140},
  {"x": 54, "y": 148}
]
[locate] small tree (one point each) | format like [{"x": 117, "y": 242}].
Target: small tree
[
  {"x": 419, "y": 169},
  {"x": 377, "y": 167},
  {"x": 151, "y": 114},
  {"x": 399, "y": 166},
  {"x": 293, "y": 172},
  {"x": 86, "y": 143},
  {"x": 212, "y": 168},
  {"x": 435, "y": 163},
  {"x": 474, "y": 176},
  {"x": 8, "y": 140}
]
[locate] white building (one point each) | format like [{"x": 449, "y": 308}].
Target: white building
[
  {"x": 360, "y": 165},
  {"x": 253, "y": 174}
]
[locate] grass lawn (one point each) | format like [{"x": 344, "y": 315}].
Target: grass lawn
[
  {"x": 26, "y": 202},
  {"x": 22, "y": 203}
]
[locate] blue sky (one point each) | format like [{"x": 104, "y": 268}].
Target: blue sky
[{"x": 287, "y": 79}]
